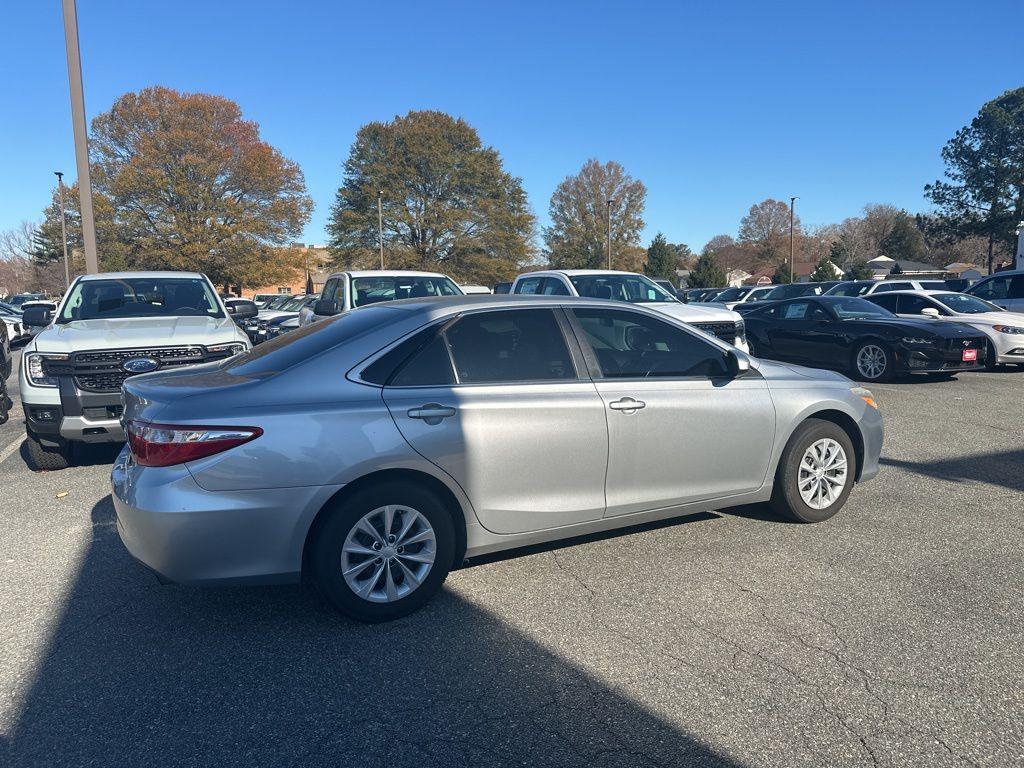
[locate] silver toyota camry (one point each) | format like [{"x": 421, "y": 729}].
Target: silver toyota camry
[{"x": 373, "y": 452}]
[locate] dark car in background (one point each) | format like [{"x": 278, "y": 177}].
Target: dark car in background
[
  {"x": 502, "y": 288},
  {"x": 783, "y": 292},
  {"x": 861, "y": 339}
]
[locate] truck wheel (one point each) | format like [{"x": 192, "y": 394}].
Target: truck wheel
[
  {"x": 47, "y": 459},
  {"x": 5, "y": 403}
]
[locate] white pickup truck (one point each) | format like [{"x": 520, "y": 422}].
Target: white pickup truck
[
  {"x": 635, "y": 289},
  {"x": 108, "y": 327}
]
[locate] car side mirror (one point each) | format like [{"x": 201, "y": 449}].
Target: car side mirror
[
  {"x": 325, "y": 308},
  {"x": 36, "y": 317},
  {"x": 930, "y": 312},
  {"x": 242, "y": 310},
  {"x": 737, "y": 363}
]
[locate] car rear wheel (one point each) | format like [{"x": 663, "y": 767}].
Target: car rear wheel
[
  {"x": 816, "y": 472},
  {"x": 872, "y": 361},
  {"x": 45, "y": 458},
  {"x": 383, "y": 552},
  {"x": 990, "y": 357}
]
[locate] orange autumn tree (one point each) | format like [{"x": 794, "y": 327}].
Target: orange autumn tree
[{"x": 191, "y": 186}]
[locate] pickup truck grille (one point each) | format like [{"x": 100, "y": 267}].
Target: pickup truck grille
[
  {"x": 726, "y": 331},
  {"x": 100, "y": 370}
]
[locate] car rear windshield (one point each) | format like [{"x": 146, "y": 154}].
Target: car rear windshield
[
  {"x": 283, "y": 352},
  {"x": 850, "y": 289},
  {"x": 113, "y": 298},
  {"x": 371, "y": 290},
  {"x": 732, "y": 294}
]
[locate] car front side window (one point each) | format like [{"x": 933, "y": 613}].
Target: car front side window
[{"x": 633, "y": 345}]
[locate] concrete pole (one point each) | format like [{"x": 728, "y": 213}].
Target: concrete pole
[
  {"x": 1019, "y": 262},
  {"x": 81, "y": 136},
  {"x": 792, "y": 265}
]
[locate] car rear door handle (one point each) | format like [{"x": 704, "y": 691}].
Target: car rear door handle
[
  {"x": 627, "y": 404},
  {"x": 432, "y": 413}
]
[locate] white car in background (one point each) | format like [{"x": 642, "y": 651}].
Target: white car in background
[
  {"x": 16, "y": 330},
  {"x": 864, "y": 288},
  {"x": 470, "y": 290},
  {"x": 634, "y": 288},
  {"x": 350, "y": 290},
  {"x": 1005, "y": 330}
]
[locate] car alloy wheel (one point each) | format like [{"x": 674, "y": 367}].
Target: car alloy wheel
[
  {"x": 872, "y": 361},
  {"x": 823, "y": 473},
  {"x": 388, "y": 553}
]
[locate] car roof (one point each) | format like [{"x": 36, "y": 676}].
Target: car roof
[
  {"x": 573, "y": 272},
  {"x": 142, "y": 275},
  {"x": 914, "y": 292},
  {"x": 386, "y": 273}
]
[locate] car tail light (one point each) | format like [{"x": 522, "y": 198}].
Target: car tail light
[{"x": 162, "y": 445}]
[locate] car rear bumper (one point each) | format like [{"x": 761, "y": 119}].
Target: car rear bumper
[{"x": 193, "y": 536}]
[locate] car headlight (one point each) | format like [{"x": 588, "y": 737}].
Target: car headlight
[
  {"x": 227, "y": 349},
  {"x": 1009, "y": 329},
  {"x": 741, "y": 330},
  {"x": 34, "y": 369},
  {"x": 865, "y": 395},
  {"x": 914, "y": 340}
]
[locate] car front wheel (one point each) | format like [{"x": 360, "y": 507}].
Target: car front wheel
[
  {"x": 47, "y": 459},
  {"x": 872, "y": 361},
  {"x": 383, "y": 552},
  {"x": 816, "y": 472}
]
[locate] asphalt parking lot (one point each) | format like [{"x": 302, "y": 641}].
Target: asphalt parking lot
[{"x": 890, "y": 635}]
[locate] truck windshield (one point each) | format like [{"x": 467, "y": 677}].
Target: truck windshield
[
  {"x": 635, "y": 289},
  {"x": 114, "y": 298}
]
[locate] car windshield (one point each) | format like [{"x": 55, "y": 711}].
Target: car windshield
[
  {"x": 858, "y": 309},
  {"x": 373, "y": 290},
  {"x": 294, "y": 305},
  {"x": 732, "y": 294},
  {"x": 279, "y": 301},
  {"x": 964, "y": 304},
  {"x": 858, "y": 288},
  {"x": 759, "y": 293},
  {"x": 113, "y": 298},
  {"x": 17, "y": 301},
  {"x": 9, "y": 309},
  {"x": 635, "y": 289}
]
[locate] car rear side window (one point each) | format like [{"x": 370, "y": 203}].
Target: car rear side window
[
  {"x": 509, "y": 346},
  {"x": 888, "y": 302},
  {"x": 632, "y": 345}
]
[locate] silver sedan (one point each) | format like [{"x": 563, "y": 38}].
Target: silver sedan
[{"x": 375, "y": 451}]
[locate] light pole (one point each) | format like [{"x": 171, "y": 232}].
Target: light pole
[
  {"x": 81, "y": 136},
  {"x": 63, "y": 228},
  {"x": 380, "y": 225},
  {"x": 792, "y": 266},
  {"x": 609, "y": 234}
]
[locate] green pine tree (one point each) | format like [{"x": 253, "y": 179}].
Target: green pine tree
[{"x": 706, "y": 273}]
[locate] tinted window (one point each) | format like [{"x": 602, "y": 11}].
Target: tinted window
[
  {"x": 334, "y": 290},
  {"x": 372, "y": 290},
  {"x": 631, "y": 345},
  {"x": 934, "y": 285},
  {"x": 885, "y": 287},
  {"x": 383, "y": 368},
  {"x": 1017, "y": 287},
  {"x": 851, "y": 289},
  {"x": 888, "y": 302},
  {"x": 632, "y": 288},
  {"x": 858, "y": 309},
  {"x": 430, "y": 366},
  {"x": 911, "y": 305},
  {"x": 509, "y": 346},
  {"x": 996, "y": 288}
]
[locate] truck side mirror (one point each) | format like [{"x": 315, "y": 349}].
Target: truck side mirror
[
  {"x": 325, "y": 308},
  {"x": 36, "y": 317}
]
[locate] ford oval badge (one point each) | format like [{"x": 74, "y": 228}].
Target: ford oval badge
[{"x": 140, "y": 364}]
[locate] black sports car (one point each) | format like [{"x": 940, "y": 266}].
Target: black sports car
[
  {"x": 783, "y": 292},
  {"x": 860, "y": 338}
]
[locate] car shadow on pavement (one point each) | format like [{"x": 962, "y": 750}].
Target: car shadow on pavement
[
  {"x": 996, "y": 468},
  {"x": 137, "y": 673}
]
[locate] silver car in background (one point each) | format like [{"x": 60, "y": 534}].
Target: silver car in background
[{"x": 375, "y": 451}]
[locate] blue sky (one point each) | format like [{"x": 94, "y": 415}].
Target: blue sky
[{"x": 713, "y": 105}]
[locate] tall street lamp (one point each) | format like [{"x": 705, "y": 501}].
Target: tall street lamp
[
  {"x": 609, "y": 231},
  {"x": 380, "y": 225},
  {"x": 792, "y": 266},
  {"x": 81, "y": 136},
  {"x": 63, "y": 228}
]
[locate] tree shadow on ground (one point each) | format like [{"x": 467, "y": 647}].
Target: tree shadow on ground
[
  {"x": 137, "y": 673},
  {"x": 1004, "y": 468}
]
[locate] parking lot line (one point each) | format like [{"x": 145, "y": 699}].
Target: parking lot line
[{"x": 10, "y": 449}]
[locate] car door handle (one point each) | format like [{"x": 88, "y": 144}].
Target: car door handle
[
  {"x": 432, "y": 413},
  {"x": 627, "y": 404}
]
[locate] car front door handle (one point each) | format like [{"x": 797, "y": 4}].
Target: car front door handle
[
  {"x": 627, "y": 404},
  {"x": 432, "y": 413}
]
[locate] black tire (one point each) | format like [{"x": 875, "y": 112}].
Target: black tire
[
  {"x": 5, "y": 403},
  {"x": 47, "y": 459},
  {"x": 326, "y": 550},
  {"x": 889, "y": 362},
  {"x": 786, "y": 498},
  {"x": 990, "y": 357}
]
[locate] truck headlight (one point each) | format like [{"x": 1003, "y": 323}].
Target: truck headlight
[
  {"x": 1008, "y": 329},
  {"x": 227, "y": 349},
  {"x": 34, "y": 369}
]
